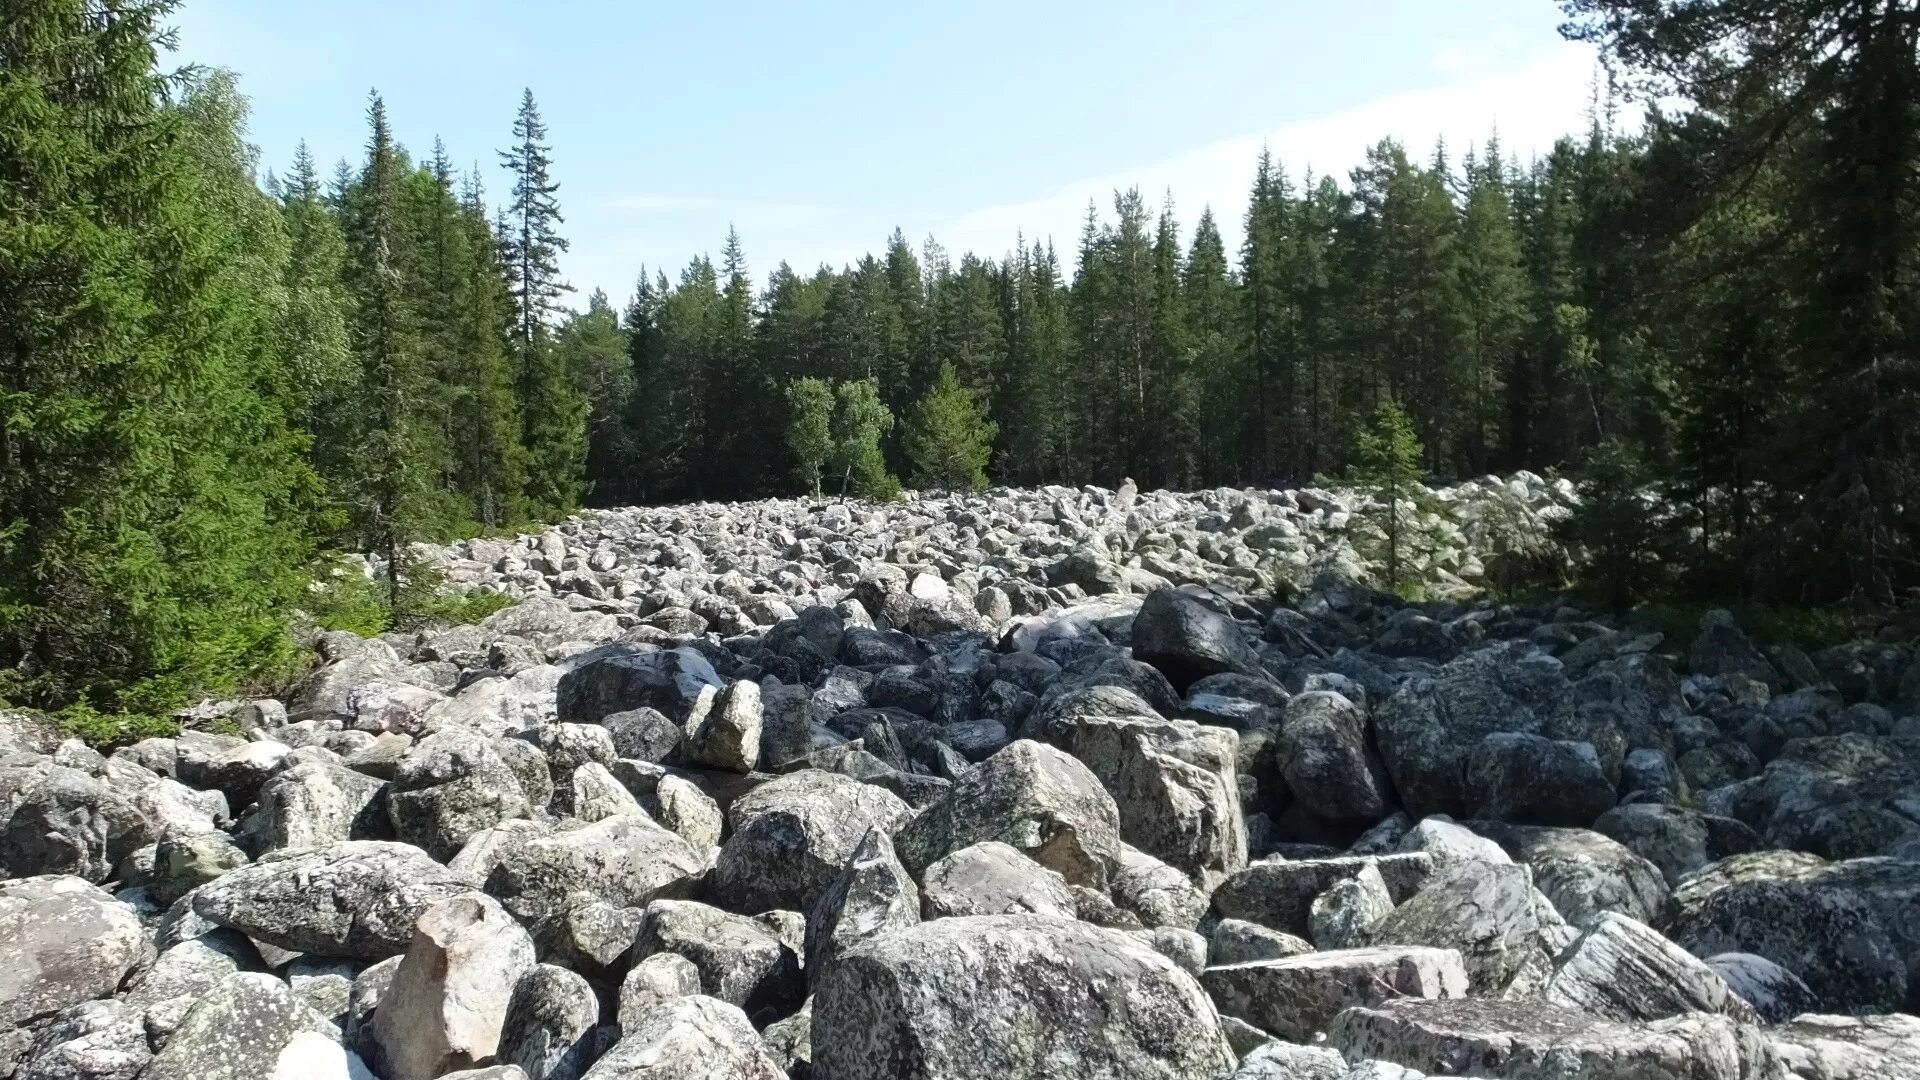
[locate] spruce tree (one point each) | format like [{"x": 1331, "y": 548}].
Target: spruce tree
[
  {"x": 1171, "y": 395},
  {"x": 1387, "y": 469},
  {"x": 1213, "y": 329},
  {"x": 393, "y": 496},
  {"x": 591, "y": 345},
  {"x": 553, "y": 410},
  {"x": 1493, "y": 288},
  {"x": 150, "y": 517},
  {"x": 948, "y": 436},
  {"x": 322, "y": 367},
  {"x": 489, "y": 458}
]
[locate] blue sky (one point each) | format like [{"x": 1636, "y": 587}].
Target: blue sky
[{"x": 817, "y": 128}]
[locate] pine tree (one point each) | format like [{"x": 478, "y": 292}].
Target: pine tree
[
  {"x": 948, "y": 436},
  {"x": 810, "y": 429},
  {"x": 1493, "y": 288},
  {"x": 553, "y": 411},
  {"x": 1171, "y": 397},
  {"x": 150, "y": 516},
  {"x": 1213, "y": 329},
  {"x": 591, "y": 345},
  {"x": 489, "y": 458},
  {"x": 1387, "y": 468},
  {"x": 1612, "y": 526}
]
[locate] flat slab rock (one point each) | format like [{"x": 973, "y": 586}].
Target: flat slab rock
[
  {"x": 1531, "y": 1041},
  {"x": 1296, "y": 998},
  {"x": 1279, "y": 893}
]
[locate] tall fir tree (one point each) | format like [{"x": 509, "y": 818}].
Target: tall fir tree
[
  {"x": 324, "y": 373},
  {"x": 553, "y": 410},
  {"x": 149, "y": 487}
]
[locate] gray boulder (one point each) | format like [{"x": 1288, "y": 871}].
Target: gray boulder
[
  {"x": 359, "y": 898},
  {"x": 617, "y": 678},
  {"x": 1526, "y": 778},
  {"x": 65, "y": 821},
  {"x": 1326, "y": 758},
  {"x": 1584, "y": 873},
  {"x": 991, "y": 878},
  {"x": 1296, "y": 998},
  {"x": 550, "y": 1026},
  {"x": 1624, "y": 970},
  {"x": 1533, "y": 1041},
  {"x": 1012, "y": 996},
  {"x": 314, "y": 804},
  {"x": 873, "y": 895},
  {"x": 251, "y": 1027},
  {"x": 451, "y": 785},
  {"x": 791, "y": 837},
  {"x": 1175, "y": 786},
  {"x": 1279, "y": 893},
  {"x": 626, "y": 862},
  {"x": 1675, "y": 839},
  {"x": 447, "y": 1003},
  {"x": 1848, "y": 1047},
  {"x": 1776, "y": 994},
  {"x": 1031, "y": 797},
  {"x": 1188, "y": 641},
  {"x": 688, "y": 1038},
  {"x": 1236, "y": 941},
  {"x": 1841, "y": 797},
  {"x": 653, "y": 980},
  {"x": 740, "y": 961},
  {"x": 1507, "y": 933},
  {"x": 1344, "y": 915},
  {"x": 62, "y": 942},
  {"x": 1159, "y": 894},
  {"x": 728, "y": 735}
]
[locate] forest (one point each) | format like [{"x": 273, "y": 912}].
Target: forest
[{"x": 214, "y": 370}]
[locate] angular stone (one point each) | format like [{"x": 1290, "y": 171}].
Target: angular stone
[
  {"x": 1279, "y": 893},
  {"x": 1347, "y": 912},
  {"x": 1848, "y": 1047},
  {"x": 1236, "y": 941},
  {"x": 1776, "y": 994},
  {"x": 653, "y": 980},
  {"x": 627, "y": 862},
  {"x": 1506, "y": 932},
  {"x": 1159, "y": 894},
  {"x": 359, "y": 898},
  {"x": 1326, "y": 758},
  {"x": 1188, "y": 641},
  {"x": 1526, "y": 778},
  {"x": 550, "y": 1025},
  {"x": 62, "y": 942},
  {"x": 1531, "y": 1041},
  {"x": 1012, "y": 996},
  {"x": 616, "y": 678},
  {"x": 728, "y": 737},
  {"x": 447, "y": 1003},
  {"x": 251, "y": 1027},
  {"x": 1175, "y": 787},
  {"x": 1031, "y": 797},
  {"x": 991, "y": 878},
  {"x": 451, "y": 785},
  {"x": 689, "y": 1038},
  {"x": 1583, "y": 872},
  {"x": 740, "y": 961},
  {"x": 873, "y": 895},
  {"x": 1298, "y": 997},
  {"x": 793, "y": 836},
  {"x": 314, "y": 804},
  {"x": 1624, "y": 970}
]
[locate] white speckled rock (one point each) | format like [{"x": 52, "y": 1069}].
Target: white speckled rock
[
  {"x": 1624, "y": 970},
  {"x": 1297, "y": 997},
  {"x": 251, "y": 1027},
  {"x": 1012, "y": 997},
  {"x": 355, "y": 899},
  {"x": 62, "y": 941},
  {"x": 689, "y": 1038}
]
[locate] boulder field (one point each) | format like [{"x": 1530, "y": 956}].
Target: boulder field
[{"x": 1071, "y": 784}]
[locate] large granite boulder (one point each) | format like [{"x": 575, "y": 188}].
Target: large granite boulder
[
  {"x": 791, "y": 837},
  {"x": 1012, "y": 996},
  {"x": 1325, "y": 755},
  {"x": 687, "y": 1038},
  {"x": 358, "y": 898},
  {"x": 1279, "y": 893},
  {"x": 1188, "y": 641},
  {"x": 62, "y": 942},
  {"x": 617, "y": 678},
  {"x": 1175, "y": 786},
  {"x": 1296, "y": 998}
]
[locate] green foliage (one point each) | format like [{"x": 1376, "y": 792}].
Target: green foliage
[
  {"x": 1614, "y": 529},
  {"x": 1387, "y": 468},
  {"x": 344, "y": 597},
  {"x": 860, "y": 421},
  {"x": 810, "y": 431},
  {"x": 108, "y": 731},
  {"x": 948, "y": 437},
  {"x": 150, "y": 489}
]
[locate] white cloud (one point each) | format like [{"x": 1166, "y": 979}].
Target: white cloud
[{"x": 1531, "y": 105}]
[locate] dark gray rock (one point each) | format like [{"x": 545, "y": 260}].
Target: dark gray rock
[
  {"x": 1325, "y": 755},
  {"x": 617, "y": 678},
  {"x": 549, "y": 1032},
  {"x": 1188, "y": 641},
  {"x": 687, "y": 1038},
  {"x": 740, "y": 961},
  {"x": 1279, "y": 893},
  {"x": 792, "y": 837}
]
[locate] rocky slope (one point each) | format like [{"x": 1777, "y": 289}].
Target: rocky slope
[{"x": 1030, "y": 784}]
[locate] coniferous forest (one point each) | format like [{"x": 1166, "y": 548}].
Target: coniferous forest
[{"x": 214, "y": 369}]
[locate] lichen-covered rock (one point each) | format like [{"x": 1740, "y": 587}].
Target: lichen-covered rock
[
  {"x": 62, "y": 942},
  {"x": 1840, "y": 797},
  {"x": 65, "y": 821},
  {"x": 740, "y": 961},
  {"x": 451, "y": 785},
  {"x": 688, "y": 1038},
  {"x": 626, "y": 861},
  {"x": 550, "y": 1024},
  {"x": 1175, "y": 787},
  {"x": 1584, "y": 873},
  {"x": 1159, "y": 894},
  {"x": 1297, "y": 997},
  {"x": 1526, "y": 778},
  {"x": 1848, "y": 1047},
  {"x": 873, "y": 895},
  {"x": 1676, "y": 839},
  {"x": 655, "y": 979},
  {"x": 359, "y": 898},
  {"x": 1013, "y": 997},
  {"x": 1776, "y": 905},
  {"x": 251, "y": 1027},
  {"x": 990, "y": 878},
  {"x": 1031, "y": 797},
  {"x": 728, "y": 735},
  {"x": 1507, "y": 933},
  {"x": 313, "y": 804},
  {"x": 1279, "y": 893},
  {"x": 1188, "y": 641},
  {"x": 1325, "y": 756},
  {"x": 791, "y": 838},
  {"x": 617, "y": 678},
  {"x": 447, "y": 1003},
  {"x": 1776, "y": 994},
  {"x": 1347, "y": 912},
  {"x": 1533, "y": 1041},
  {"x": 1624, "y": 970},
  {"x": 1236, "y": 941},
  {"x": 95, "y": 1040}
]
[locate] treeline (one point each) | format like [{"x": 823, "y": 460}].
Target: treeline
[{"x": 208, "y": 375}]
